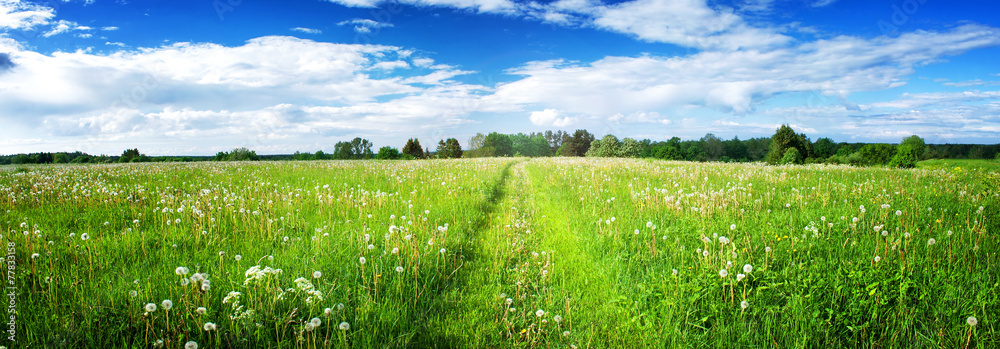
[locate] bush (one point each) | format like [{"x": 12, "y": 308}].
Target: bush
[{"x": 792, "y": 156}]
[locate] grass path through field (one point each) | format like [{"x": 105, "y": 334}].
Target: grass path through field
[{"x": 593, "y": 295}]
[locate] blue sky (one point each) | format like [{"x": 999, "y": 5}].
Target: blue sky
[{"x": 197, "y": 77}]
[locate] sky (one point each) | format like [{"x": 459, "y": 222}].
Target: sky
[{"x": 194, "y": 77}]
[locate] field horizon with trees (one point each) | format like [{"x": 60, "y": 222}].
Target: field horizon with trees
[{"x": 773, "y": 150}]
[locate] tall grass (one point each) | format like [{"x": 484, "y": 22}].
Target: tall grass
[{"x": 502, "y": 253}]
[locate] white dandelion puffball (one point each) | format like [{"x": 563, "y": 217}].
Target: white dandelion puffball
[
  {"x": 150, "y": 307},
  {"x": 877, "y": 258},
  {"x": 316, "y": 321},
  {"x": 565, "y": 333},
  {"x": 649, "y": 224},
  {"x": 399, "y": 269},
  {"x": 704, "y": 253},
  {"x": 344, "y": 326},
  {"x": 133, "y": 293},
  {"x": 317, "y": 274},
  {"x": 238, "y": 258},
  {"x": 636, "y": 232},
  {"x": 674, "y": 271},
  {"x": 340, "y": 306},
  {"x": 931, "y": 242},
  {"x": 84, "y": 237},
  {"x": 767, "y": 249},
  {"x": 557, "y": 318},
  {"x": 732, "y": 227},
  {"x": 185, "y": 281},
  {"x": 201, "y": 310},
  {"x": 723, "y": 273},
  {"x": 362, "y": 260},
  {"x": 395, "y": 250},
  {"x": 167, "y": 304},
  {"x": 206, "y": 286},
  {"x": 443, "y": 250},
  {"x": 181, "y": 271},
  {"x": 972, "y": 321},
  {"x": 744, "y": 304},
  {"x": 747, "y": 268},
  {"x": 209, "y": 326},
  {"x": 539, "y": 313},
  {"x": 327, "y": 311},
  {"x": 191, "y": 345},
  {"x": 898, "y": 212},
  {"x": 740, "y": 277}
]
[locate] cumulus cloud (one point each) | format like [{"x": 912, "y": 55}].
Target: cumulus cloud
[
  {"x": 18, "y": 14},
  {"x": 213, "y": 93},
  {"x": 6, "y": 63},
  {"x": 550, "y": 117},
  {"x": 735, "y": 81}
]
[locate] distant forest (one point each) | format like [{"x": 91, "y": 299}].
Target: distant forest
[{"x": 784, "y": 147}]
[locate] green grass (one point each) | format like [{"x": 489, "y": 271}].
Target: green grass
[{"x": 492, "y": 252}]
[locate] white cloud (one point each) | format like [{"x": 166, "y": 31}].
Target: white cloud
[
  {"x": 63, "y": 26},
  {"x": 823, "y": 3},
  {"x": 307, "y": 30},
  {"x": 735, "y": 81},
  {"x": 550, "y": 117},
  {"x": 365, "y": 26},
  {"x": 482, "y": 6},
  {"x": 218, "y": 96},
  {"x": 109, "y": 28},
  {"x": 18, "y": 14}
]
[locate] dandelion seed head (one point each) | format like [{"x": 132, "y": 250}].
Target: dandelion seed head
[
  {"x": 150, "y": 307},
  {"x": 209, "y": 326},
  {"x": 723, "y": 273},
  {"x": 399, "y": 269},
  {"x": 744, "y": 304},
  {"x": 191, "y": 345},
  {"x": 167, "y": 304},
  {"x": 972, "y": 321},
  {"x": 344, "y": 326}
]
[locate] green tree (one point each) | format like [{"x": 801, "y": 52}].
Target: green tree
[
  {"x": 785, "y": 138},
  {"x": 713, "y": 147},
  {"x": 128, "y": 155},
  {"x": 582, "y": 140},
  {"x": 825, "y": 148},
  {"x": 60, "y": 158},
  {"x": 630, "y": 148},
  {"x": 361, "y": 148},
  {"x": 791, "y": 157},
  {"x": 449, "y": 149},
  {"x": 916, "y": 144},
  {"x": 343, "y": 151},
  {"x": 388, "y": 153},
  {"x": 606, "y": 147},
  {"x": 413, "y": 148},
  {"x": 500, "y": 143},
  {"x": 876, "y": 154}
]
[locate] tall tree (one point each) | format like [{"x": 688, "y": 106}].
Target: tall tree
[
  {"x": 784, "y": 138},
  {"x": 449, "y": 149},
  {"x": 413, "y": 148},
  {"x": 500, "y": 143},
  {"x": 582, "y": 141}
]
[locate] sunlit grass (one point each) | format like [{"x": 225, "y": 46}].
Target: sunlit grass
[{"x": 502, "y": 253}]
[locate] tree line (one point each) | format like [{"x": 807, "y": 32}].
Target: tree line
[{"x": 784, "y": 147}]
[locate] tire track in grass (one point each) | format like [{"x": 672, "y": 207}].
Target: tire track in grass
[
  {"x": 596, "y": 307},
  {"x": 462, "y": 321}
]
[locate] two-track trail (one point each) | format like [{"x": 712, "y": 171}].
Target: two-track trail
[{"x": 530, "y": 279}]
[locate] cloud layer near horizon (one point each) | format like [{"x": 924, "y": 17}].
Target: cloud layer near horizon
[{"x": 281, "y": 94}]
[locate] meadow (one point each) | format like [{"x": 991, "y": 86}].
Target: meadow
[{"x": 501, "y": 253}]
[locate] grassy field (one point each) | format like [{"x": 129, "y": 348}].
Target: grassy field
[{"x": 508, "y": 253}]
